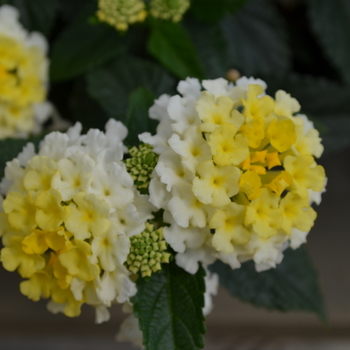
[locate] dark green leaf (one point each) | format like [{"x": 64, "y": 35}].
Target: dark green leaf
[
  {"x": 137, "y": 120},
  {"x": 337, "y": 135},
  {"x": 83, "y": 46},
  {"x": 330, "y": 21},
  {"x": 169, "y": 308},
  {"x": 85, "y": 109},
  {"x": 70, "y": 9},
  {"x": 207, "y": 11},
  {"x": 211, "y": 47},
  {"x": 293, "y": 285},
  {"x": 36, "y": 14},
  {"x": 10, "y": 148},
  {"x": 170, "y": 45},
  {"x": 110, "y": 86},
  {"x": 258, "y": 43}
]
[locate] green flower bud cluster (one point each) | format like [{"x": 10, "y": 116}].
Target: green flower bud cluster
[
  {"x": 121, "y": 13},
  {"x": 172, "y": 10},
  {"x": 141, "y": 164},
  {"x": 147, "y": 252}
]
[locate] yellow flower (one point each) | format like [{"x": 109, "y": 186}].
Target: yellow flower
[
  {"x": 285, "y": 104},
  {"x": 250, "y": 184},
  {"x": 89, "y": 216},
  {"x": 306, "y": 174},
  {"x": 281, "y": 182},
  {"x": 228, "y": 148},
  {"x": 37, "y": 286},
  {"x": 264, "y": 215},
  {"x": 216, "y": 112},
  {"x": 282, "y": 134},
  {"x": 255, "y": 105},
  {"x": 38, "y": 178},
  {"x": 296, "y": 213},
  {"x": 38, "y": 242},
  {"x": 254, "y": 131},
  {"x": 20, "y": 211},
  {"x": 13, "y": 257},
  {"x": 50, "y": 213},
  {"x": 229, "y": 228},
  {"x": 75, "y": 260},
  {"x": 215, "y": 185}
]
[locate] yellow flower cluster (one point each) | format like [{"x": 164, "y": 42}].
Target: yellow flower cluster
[
  {"x": 23, "y": 74},
  {"x": 66, "y": 219},
  {"x": 261, "y": 170},
  {"x": 172, "y": 10},
  {"x": 236, "y": 174},
  {"x": 121, "y": 13}
]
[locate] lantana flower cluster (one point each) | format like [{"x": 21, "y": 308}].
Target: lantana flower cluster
[
  {"x": 68, "y": 215},
  {"x": 123, "y": 13},
  {"x": 236, "y": 174},
  {"x": 23, "y": 77}
]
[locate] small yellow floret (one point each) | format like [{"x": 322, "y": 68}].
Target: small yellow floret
[
  {"x": 215, "y": 185},
  {"x": 215, "y": 112},
  {"x": 282, "y": 134},
  {"x": 254, "y": 131},
  {"x": 229, "y": 228},
  {"x": 264, "y": 215},
  {"x": 227, "y": 147}
]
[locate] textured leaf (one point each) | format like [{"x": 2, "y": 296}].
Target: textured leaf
[
  {"x": 169, "y": 308},
  {"x": 258, "y": 42},
  {"x": 36, "y": 14},
  {"x": 110, "y": 86},
  {"x": 137, "y": 120},
  {"x": 330, "y": 20},
  {"x": 211, "y": 47},
  {"x": 85, "y": 109},
  {"x": 170, "y": 45},
  {"x": 10, "y": 148},
  {"x": 293, "y": 285},
  {"x": 70, "y": 9},
  {"x": 83, "y": 46},
  {"x": 336, "y": 136},
  {"x": 205, "y": 10}
]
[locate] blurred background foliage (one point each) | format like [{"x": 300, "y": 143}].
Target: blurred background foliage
[{"x": 97, "y": 73}]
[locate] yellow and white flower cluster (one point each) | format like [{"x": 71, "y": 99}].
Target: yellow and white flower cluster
[
  {"x": 68, "y": 215},
  {"x": 236, "y": 174},
  {"x": 23, "y": 77}
]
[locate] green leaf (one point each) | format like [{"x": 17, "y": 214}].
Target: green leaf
[
  {"x": 36, "y": 14},
  {"x": 137, "y": 120},
  {"x": 258, "y": 41},
  {"x": 85, "y": 109},
  {"x": 83, "y": 46},
  {"x": 211, "y": 47},
  {"x": 10, "y": 148},
  {"x": 170, "y": 45},
  {"x": 330, "y": 20},
  {"x": 205, "y": 10},
  {"x": 169, "y": 308},
  {"x": 337, "y": 134},
  {"x": 70, "y": 9},
  {"x": 293, "y": 285},
  {"x": 111, "y": 85}
]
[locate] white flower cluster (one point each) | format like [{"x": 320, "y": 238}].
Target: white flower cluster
[
  {"x": 186, "y": 122},
  {"x": 77, "y": 208},
  {"x": 23, "y": 77}
]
